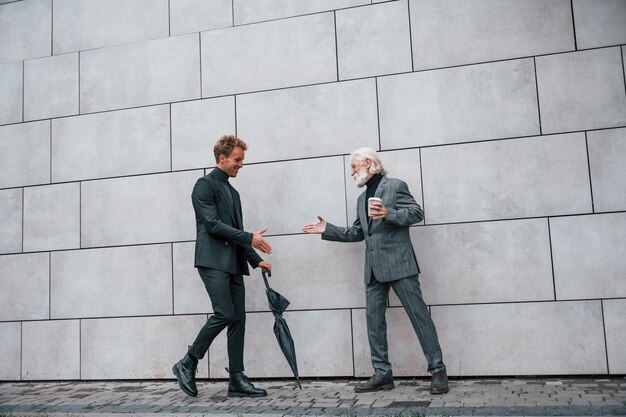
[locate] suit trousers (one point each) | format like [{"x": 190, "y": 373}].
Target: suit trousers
[
  {"x": 228, "y": 294},
  {"x": 410, "y": 295}
]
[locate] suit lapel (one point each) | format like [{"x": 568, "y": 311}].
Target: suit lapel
[
  {"x": 228, "y": 197},
  {"x": 378, "y": 193},
  {"x": 362, "y": 212}
]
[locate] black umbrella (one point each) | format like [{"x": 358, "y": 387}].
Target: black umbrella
[{"x": 278, "y": 304}]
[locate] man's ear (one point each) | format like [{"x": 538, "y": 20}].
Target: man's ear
[{"x": 220, "y": 158}]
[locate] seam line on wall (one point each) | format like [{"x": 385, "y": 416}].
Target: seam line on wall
[
  {"x": 571, "y": 3},
  {"x": 173, "y": 289},
  {"x": 537, "y": 95},
  {"x": 318, "y": 84},
  {"x": 310, "y": 14},
  {"x": 316, "y": 309},
  {"x": 169, "y": 19},
  {"x": 80, "y": 349},
  {"x": 593, "y": 206},
  {"x": 276, "y": 19},
  {"x": 50, "y": 149},
  {"x": 551, "y": 259},
  {"x": 80, "y": 214},
  {"x": 336, "y": 43},
  {"x": 352, "y": 342},
  {"x": 621, "y": 50},
  {"x": 235, "y": 107},
  {"x": 408, "y": 5},
  {"x": 23, "y": 190},
  {"x": 208, "y": 354},
  {"x": 79, "y": 82},
  {"x": 200, "y": 62},
  {"x": 232, "y": 11},
  {"x": 422, "y": 185},
  {"x": 51, "y": 27},
  {"x": 127, "y": 245},
  {"x": 171, "y": 140},
  {"x": 49, "y": 285},
  {"x": 345, "y": 189},
  {"x": 23, "y": 88},
  {"x": 21, "y": 350},
  {"x": 380, "y": 143},
  {"x": 132, "y": 175},
  {"x": 606, "y": 345}
]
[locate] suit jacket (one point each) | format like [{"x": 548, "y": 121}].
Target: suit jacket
[
  {"x": 389, "y": 253},
  {"x": 221, "y": 242}
]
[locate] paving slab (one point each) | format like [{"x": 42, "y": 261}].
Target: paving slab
[{"x": 467, "y": 397}]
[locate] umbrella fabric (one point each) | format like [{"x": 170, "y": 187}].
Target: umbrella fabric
[{"x": 278, "y": 304}]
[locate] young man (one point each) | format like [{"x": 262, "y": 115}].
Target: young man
[
  {"x": 223, "y": 250},
  {"x": 389, "y": 263}
]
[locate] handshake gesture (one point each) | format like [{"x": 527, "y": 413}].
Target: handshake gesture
[
  {"x": 259, "y": 242},
  {"x": 315, "y": 228}
]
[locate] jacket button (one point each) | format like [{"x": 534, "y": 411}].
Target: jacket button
[{"x": 226, "y": 243}]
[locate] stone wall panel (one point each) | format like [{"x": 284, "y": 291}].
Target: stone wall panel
[
  {"x": 447, "y": 33},
  {"x": 581, "y": 90},
  {"x": 140, "y": 74},
  {"x": 80, "y": 25},
  {"x": 24, "y": 287},
  {"x": 277, "y": 54},
  {"x": 11, "y": 86},
  {"x": 463, "y": 104},
  {"x": 51, "y": 350},
  {"x": 588, "y": 253},
  {"x": 529, "y": 177},
  {"x": 109, "y": 282}
]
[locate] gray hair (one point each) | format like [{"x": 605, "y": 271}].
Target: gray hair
[{"x": 376, "y": 166}]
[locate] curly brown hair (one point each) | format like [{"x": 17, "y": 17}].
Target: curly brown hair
[{"x": 226, "y": 144}]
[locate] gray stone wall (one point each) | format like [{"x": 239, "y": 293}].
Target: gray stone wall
[{"x": 506, "y": 118}]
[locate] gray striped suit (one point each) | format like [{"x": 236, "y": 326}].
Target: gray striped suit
[{"x": 390, "y": 262}]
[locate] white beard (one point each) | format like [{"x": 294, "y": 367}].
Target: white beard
[{"x": 361, "y": 178}]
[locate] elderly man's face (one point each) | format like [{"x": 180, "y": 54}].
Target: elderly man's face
[{"x": 360, "y": 171}]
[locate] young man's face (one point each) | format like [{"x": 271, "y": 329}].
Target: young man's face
[{"x": 233, "y": 163}]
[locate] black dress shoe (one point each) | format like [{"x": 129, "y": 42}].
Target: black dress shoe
[
  {"x": 185, "y": 371},
  {"x": 439, "y": 383},
  {"x": 375, "y": 383},
  {"x": 240, "y": 386}
]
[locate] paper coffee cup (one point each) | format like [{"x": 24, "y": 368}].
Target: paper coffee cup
[{"x": 369, "y": 204}]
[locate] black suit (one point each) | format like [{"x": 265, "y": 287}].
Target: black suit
[{"x": 222, "y": 249}]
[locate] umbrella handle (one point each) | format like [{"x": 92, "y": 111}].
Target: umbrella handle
[{"x": 265, "y": 277}]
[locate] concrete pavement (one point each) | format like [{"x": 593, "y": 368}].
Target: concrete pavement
[{"x": 481, "y": 397}]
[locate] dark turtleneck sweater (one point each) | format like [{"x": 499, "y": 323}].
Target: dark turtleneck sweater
[
  {"x": 372, "y": 185},
  {"x": 223, "y": 176}
]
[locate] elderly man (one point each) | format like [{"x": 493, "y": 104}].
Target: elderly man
[
  {"x": 223, "y": 250},
  {"x": 389, "y": 263}
]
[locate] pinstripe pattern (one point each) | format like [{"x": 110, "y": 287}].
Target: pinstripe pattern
[
  {"x": 390, "y": 262},
  {"x": 410, "y": 295},
  {"x": 389, "y": 253}
]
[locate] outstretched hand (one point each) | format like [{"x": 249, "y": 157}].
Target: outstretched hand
[
  {"x": 259, "y": 242},
  {"x": 315, "y": 228}
]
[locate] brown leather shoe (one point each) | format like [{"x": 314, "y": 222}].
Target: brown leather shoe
[
  {"x": 375, "y": 383},
  {"x": 439, "y": 383}
]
